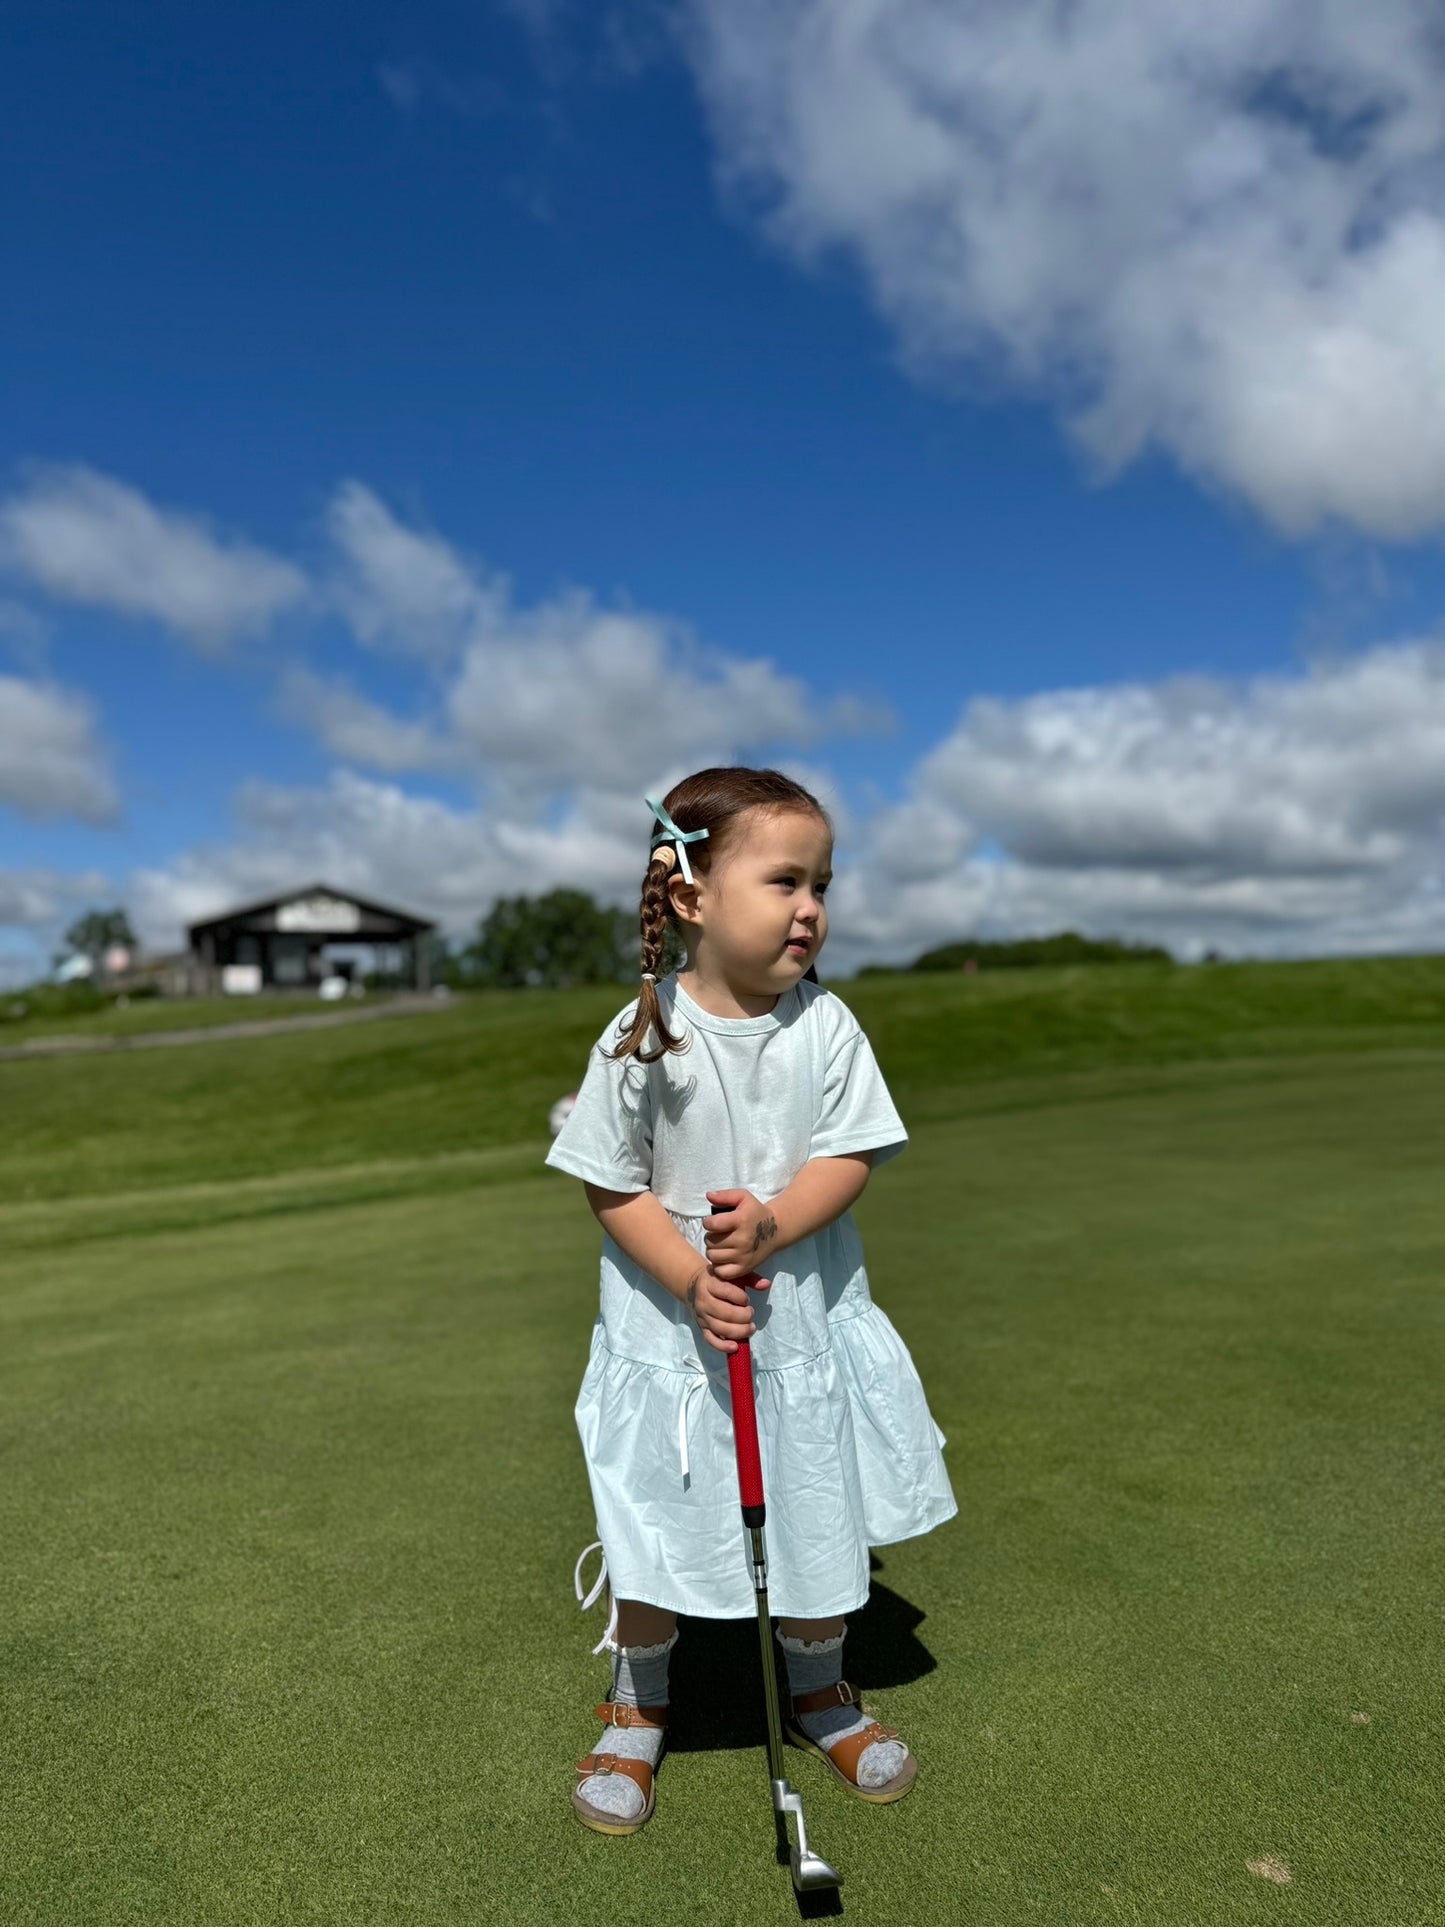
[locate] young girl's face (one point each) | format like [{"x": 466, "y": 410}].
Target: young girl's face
[{"x": 761, "y": 913}]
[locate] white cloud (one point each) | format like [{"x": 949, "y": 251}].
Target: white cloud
[
  {"x": 1287, "y": 815},
  {"x": 379, "y": 840},
  {"x": 357, "y": 730},
  {"x": 547, "y": 696},
  {"x": 84, "y": 537},
  {"x": 51, "y": 763},
  {"x": 520, "y": 698},
  {"x": 416, "y": 851},
  {"x": 888, "y": 920},
  {"x": 46, "y": 900},
  {"x": 1215, "y": 230},
  {"x": 560, "y": 714},
  {"x": 1290, "y": 814},
  {"x": 1284, "y": 814},
  {"x": 403, "y": 588},
  {"x": 571, "y": 692}
]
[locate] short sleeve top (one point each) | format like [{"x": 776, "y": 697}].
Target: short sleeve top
[{"x": 744, "y": 1106}]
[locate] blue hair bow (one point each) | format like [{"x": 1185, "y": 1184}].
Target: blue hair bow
[{"x": 670, "y": 833}]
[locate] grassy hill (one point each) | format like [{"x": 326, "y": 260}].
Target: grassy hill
[{"x": 482, "y": 1074}]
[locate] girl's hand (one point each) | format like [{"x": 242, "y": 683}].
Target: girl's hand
[
  {"x": 741, "y": 1234},
  {"x": 721, "y": 1309}
]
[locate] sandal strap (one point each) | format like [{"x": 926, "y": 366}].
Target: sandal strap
[
  {"x": 599, "y": 1765},
  {"x": 826, "y": 1696},
  {"x": 845, "y": 1754},
  {"x": 619, "y": 1713}
]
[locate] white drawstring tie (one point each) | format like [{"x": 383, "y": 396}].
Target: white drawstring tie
[
  {"x": 696, "y": 1383},
  {"x": 607, "y": 1639}
]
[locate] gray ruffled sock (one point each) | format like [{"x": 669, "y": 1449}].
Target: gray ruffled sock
[
  {"x": 815, "y": 1663},
  {"x": 639, "y": 1678}
]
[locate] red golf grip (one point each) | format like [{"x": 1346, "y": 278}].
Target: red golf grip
[{"x": 745, "y": 1434}]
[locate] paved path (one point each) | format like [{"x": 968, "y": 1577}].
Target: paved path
[{"x": 403, "y": 1006}]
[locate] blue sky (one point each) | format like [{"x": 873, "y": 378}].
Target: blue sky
[{"x": 1090, "y": 587}]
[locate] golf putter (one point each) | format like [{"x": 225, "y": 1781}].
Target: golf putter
[{"x": 810, "y": 1869}]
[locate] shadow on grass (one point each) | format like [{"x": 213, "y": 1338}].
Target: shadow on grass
[{"x": 716, "y": 1686}]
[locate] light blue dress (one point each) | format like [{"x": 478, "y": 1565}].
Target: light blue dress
[{"x": 851, "y": 1456}]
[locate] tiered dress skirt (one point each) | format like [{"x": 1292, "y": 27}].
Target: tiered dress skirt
[{"x": 851, "y": 1455}]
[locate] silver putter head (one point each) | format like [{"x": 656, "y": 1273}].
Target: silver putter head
[{"x": 810, "y": 1870}]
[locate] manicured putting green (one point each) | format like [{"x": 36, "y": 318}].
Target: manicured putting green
[{"x": 291, "y": 1496}]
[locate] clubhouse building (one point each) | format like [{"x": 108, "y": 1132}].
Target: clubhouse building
[{"x": 297, "y": 941}]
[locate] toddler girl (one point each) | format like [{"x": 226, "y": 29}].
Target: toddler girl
[{"x": 726, "y": 1123}]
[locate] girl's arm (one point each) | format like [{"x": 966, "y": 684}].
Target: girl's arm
[
  {"x": 822, "y": 1191},
  {"x": 743, "y": 1232},
  {"x": 637, "y": 1223}
]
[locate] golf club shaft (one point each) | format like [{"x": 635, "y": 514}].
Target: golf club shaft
[
  {"x": 750, "y": 1486},
  {"x": 809, "y": 1869},
  {"x": 770, "y": 1667}
]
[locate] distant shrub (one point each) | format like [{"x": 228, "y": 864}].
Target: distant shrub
[
  {"x": 1025, "y": 953},
  {"x": 53, "y": 1001}
]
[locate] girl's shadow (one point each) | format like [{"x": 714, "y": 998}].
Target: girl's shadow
[{"x": 716, "y": 1685}]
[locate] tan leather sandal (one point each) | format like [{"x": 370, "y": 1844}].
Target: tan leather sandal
[
  {"x": 598, "y": 1765},
  {"x": 845, "y": 1754}
]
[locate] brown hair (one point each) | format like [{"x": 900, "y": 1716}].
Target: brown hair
[{"x": 714, "y": 800}]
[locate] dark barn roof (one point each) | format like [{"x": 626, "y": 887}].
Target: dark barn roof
[{"x": 374, "y": 922}]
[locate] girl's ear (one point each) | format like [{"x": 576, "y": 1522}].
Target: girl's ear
[{"x": 683, "y": 897}]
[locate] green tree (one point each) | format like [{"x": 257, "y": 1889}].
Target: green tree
[
  {"x": 94, "y": 933},
  {"x": 553, "y": 941},
  {"x": 1067, "y": 947}
]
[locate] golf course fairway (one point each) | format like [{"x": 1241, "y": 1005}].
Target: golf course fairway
[{"x": 290, "y": 1332}]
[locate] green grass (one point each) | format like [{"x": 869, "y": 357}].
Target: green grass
[
  {"x": 484, "y": 1073},
  {"x": 54, "y": 1018},
  {"x": 289, "y": 1336}
]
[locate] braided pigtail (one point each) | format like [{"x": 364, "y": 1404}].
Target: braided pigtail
[{"x": 653, "y": 914}]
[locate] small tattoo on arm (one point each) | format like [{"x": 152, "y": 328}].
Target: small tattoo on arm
[{"x": 767, "y": 1228}]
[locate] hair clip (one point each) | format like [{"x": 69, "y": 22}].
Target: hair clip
[{"x": 670, "y": 833}]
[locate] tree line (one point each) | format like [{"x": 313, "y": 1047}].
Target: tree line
[
  {"x": 1025, "y": 953},
  {"x": 564, "y": 939}
]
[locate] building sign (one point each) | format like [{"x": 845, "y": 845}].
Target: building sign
[{"x": 334, "y": 915}]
